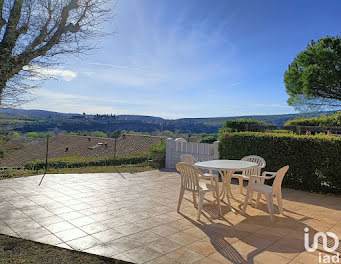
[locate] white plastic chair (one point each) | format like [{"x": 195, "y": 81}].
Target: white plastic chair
[
  {"x": 256, "y": 184},
  {"x": 190, "y": 181},
  {"x": 190, "y": 159},
  {"x": 245, "y": 175}
]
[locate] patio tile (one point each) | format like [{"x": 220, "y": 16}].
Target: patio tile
[
  {"x": 49, "y": 220},
  {"x": 70, "y": 234},
  {"x": 64, "y": 245},
  {"x": 71, "y": 215},
  {"x": 121, "y": 256},
  {"x": 145, "y": 236},
  {"x": 148, "y": 223},
  {"x": 124, "y": 244},
  {"x": 163, "y": 245},
  {"x": 182, "y": 238},
  {"x": 84, "y": 243},
  {"x": 102, "y": 250},
  {"x": 226, "y": 257},
  {"x": 94, "y": 228},
  {"x": 49, "y": 239},
  {"x": 61, "y": 210},
  {"x": 306, "y": 257},
  {"x": 202, "y": 247},
  {"x": 181, "y": 224},
  {"x": 208, "y": 261},
  {"x": 58, "y": 227},
  {"x": 129, "y": 229},
  {"x": 6, "y": 230},
  {"x": 185, "y": 256},
  {"x": 142, "y": 254},
  {"x": 268, "y": 257},
  {"x": 85, "y": 220},
  {"x": 108, "y": 235},
  {"x": 195, "y": 231},
  {"x": 164, "y": 230},
  {"x": 162, "y": 260}
]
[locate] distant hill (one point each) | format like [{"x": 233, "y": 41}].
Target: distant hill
[
  {"x": 41, "y": 120},
  {"x": 42, "y": 114},
  {"x": 29, "y": 114}
]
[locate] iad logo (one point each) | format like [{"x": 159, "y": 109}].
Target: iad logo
[{"x": 325, "y": 245}]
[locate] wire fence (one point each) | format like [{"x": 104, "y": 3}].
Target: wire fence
[{"x": 73, "y": 151}]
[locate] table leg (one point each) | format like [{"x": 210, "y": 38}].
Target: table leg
[
  {"x": 228, "y": 177},
  {"x": 213, "y": 192}
]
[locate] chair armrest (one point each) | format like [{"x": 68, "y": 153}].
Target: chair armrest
[
  {"x": 263, "y": 177},
  {"x": 268, "y": 173},
  {"x": 208, "y": 176}
]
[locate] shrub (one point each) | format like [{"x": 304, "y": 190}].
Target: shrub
[
  {"x": 160, "y": 147},
  {"x": 314, "y": 160},
  {"x": 239, "y": 124},
  {"x": 282, "y": 131},
  {"x": 38, "y": 135},
  {"x": 331, "y": 120},
  {"x": 208, "y": 139},
  {"x": 98, "y": 134}
]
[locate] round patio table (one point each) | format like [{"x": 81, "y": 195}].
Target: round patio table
[{"x": 226, "y": 169}]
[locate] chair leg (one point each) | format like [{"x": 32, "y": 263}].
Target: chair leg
[
  {"x": 200, "y": 205},
  {"x": 182, "y": 191},
  {"x": 213, "y": 192},
  {"x": 218, "y": 200},
  {"x": 251, "y": 197},
  {"x": 248, "y": 192},
  {"x": 195, "y": 200},
  {"x": 258, "y": 198},
  {"x": 241, "y": 182},
  {"x": 269, "y": 201},
  {"x": 280, "y": 202}
]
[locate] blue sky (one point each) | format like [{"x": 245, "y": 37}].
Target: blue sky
[{"x": 191, "y": 58}]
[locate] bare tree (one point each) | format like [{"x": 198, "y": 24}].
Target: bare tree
[{"x": 34, "y": 33}]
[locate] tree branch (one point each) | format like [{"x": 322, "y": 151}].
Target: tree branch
[
  {"x": 2, "y": 20},
  {"x": 31, "y": 53},
  {"x": 11, "y": 33}
]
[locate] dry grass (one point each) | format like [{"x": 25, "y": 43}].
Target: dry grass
[{"x": 16, "y": 250}]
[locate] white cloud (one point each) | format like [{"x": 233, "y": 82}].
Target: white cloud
[{"x": 41, "y": 73}]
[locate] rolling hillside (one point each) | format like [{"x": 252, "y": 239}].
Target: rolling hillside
[{"x": 40, "y": 121}]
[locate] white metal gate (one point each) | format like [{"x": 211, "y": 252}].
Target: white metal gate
[{"x": 201, "y": 151}]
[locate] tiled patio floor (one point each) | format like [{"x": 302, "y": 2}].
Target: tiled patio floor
[{"x": 135, "y": 219}]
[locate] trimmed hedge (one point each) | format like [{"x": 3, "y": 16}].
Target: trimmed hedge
[
  {"x": 315, "y": 161},
  {"x": 333, "y": 120},
  {"x": 241, "y": 124},
  {"x": 80, "y": 162}
]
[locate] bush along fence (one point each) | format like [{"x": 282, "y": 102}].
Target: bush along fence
[
  {"x": 315, "y": 161},
  {"x": 79, "y": 162}
]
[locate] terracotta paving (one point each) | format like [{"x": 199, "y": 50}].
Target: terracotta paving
[{"x": 133, "y": 217}]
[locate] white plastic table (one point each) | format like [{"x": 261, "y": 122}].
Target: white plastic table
[{"x": 226, "y": 168}]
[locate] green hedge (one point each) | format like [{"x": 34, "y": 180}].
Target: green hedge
[
  {"x": 80, "y": 162},
  {"x": 333, "y": 120},
  {"x": 315, "y": 162},
  {"x": 241, "y": 124}
]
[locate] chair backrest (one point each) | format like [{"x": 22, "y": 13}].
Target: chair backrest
[
  {"x": 188, "y": 158},
  {"x": 256, "y": 159},
  {"x": 277, "y": 184},
  {"x": 189, "y": 176}
]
